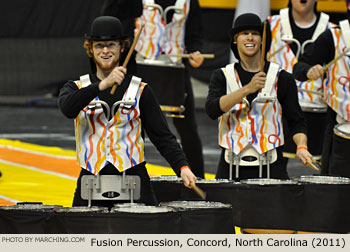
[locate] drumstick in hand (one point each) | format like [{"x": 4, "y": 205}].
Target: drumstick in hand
[
  {"x": 205, "y": 56},
  {"x": 335, "y": 59},
  {"x": 199, "y": 191},
  {"x": 129, "y": 55},
  {"x": 262, "y": 57},
  {"x": 309, "y": 163}
]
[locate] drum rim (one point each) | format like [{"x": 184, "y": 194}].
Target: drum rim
[
  {"x": 283, "y": 181},
  {"x": 340, "y": 133},
  {"x": 344, "y": 182},
  {"x": 142, "y": 207},
  {"x": 213, "y": 204}
]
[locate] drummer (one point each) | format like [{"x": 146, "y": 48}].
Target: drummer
[
  {"x": 110, "y": 143},
  {"x": 178, "y": 33},
  {"x": 328, "y": 45},
  {"x": 246, "y": 120},
  {"x": 293, "y": 30}
]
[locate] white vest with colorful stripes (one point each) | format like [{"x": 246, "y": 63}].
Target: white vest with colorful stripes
[
  {"x": 258, "y": 124},
  {"x": 158, "y": 37},
  {"x": 118, "y": 140},
  {"x": 337, "y": 86},
  {"x": 281, "y": 33}
]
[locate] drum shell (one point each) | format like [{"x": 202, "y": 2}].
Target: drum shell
[
  {"x": 204, "y": 220},
  {"x": 167, "y": 189},
  {"x": 339, "y": 160},
  {"x": 167, "y": 82},
  {"x": 324, "y": 208},
  {"x": 18, "y": 219}
]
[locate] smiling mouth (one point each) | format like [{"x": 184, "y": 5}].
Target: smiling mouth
[
  {"x": 249, "y": 45},
  {"x": 106, "y": 57}
]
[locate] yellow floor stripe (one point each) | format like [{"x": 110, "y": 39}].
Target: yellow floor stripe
[
  {"x": 29, "y": 184},
  {"x": 24, "y": 185}
]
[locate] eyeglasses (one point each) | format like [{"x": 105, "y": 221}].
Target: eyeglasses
[{"x": 110, "y": 46}]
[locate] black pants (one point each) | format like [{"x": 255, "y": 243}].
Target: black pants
[
  {"x": 277, "y": 169},
  {"x": 147, "y": 194},
  {"x": 188, "y": 132}
]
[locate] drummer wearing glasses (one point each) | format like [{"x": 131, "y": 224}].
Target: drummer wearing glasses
[
  {"x": 329, "y": 55},
  {"x": 109, "y": 137},
  {"x": 249, "y": 98}
]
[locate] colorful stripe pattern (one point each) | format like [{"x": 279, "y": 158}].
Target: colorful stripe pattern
[
  {"x": 158, "y": 37},
  {"x": 287, "y": 60},
  {"x": 117, "y": 141},
  {"x": 258, "y": 124},
  {"x": 337, "y": 86}
]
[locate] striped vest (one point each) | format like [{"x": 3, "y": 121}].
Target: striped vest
[
  {"x": 158, "y": 37},
  {"x": 338, "y": 83},
  {"x": 281, "y": 33},
  {"x": 258, "y": 124},
  {"x": 117, "y": 141}
]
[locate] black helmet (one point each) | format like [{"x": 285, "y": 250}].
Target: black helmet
[
  {"x": 106, "y": 28},
  {"x": 247, "y": 21}
]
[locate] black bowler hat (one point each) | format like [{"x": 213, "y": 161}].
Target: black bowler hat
[
  {"x": 106, "y": 28},
  {"x": 247, "y": 21}
]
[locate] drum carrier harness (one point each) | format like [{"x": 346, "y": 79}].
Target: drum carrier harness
[
  {"x": 112, "y": 187},
  {"x": 249, "y": 156}
]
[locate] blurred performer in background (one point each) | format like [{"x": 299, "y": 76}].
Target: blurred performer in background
[
  {"x": 179, "y": 32},
  {"x": 316, "y": 61},
  {"x": 250, "y": 104},
  {"x": 293, "y": 30},
  {"x": 109, "y": 140},
  {"x": 126, "y": 11}
]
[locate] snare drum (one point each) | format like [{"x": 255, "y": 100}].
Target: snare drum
[
  {"x": 167, "y": 188},
  {"x": 167, "y": 80},
  {"x": 339, "y": 160},
  {"x": 313, "y": 107},
  {"x": 326, "y": 204},
  {"x": 26, "y": 218},
  {"x": 203, "y": 217},
  {"x": 141, "y": 219}
]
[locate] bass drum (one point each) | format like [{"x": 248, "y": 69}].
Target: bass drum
[{"x": 203, "y": 217}]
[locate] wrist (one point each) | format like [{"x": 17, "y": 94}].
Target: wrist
[
  {"x": 185, "y": 167},
  {"x": 302, "y": 147}
]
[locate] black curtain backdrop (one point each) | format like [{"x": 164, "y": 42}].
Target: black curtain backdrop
[{"x": 41, "y": 44}]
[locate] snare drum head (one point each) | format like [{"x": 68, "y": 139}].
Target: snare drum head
[
  {"x": 261, "y": 181},
  {"x": 195, "y": 204},
  {"x": 323, "y": 179},
  {"x": 213, "y": 181},
  {"x": 342, "y": 130},
  {"x": 142, "y": 209},
  {"x": 166, "y": 178},
  {"x": 32, "y": 207},
  {"x": 84, "y": 209},
  {"x": 313, "y": 107}
]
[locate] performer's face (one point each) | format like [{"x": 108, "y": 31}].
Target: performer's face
[
  {"x": 248, "y": 42},
  {"x": 106, "y": 54},
  {"x": 303, "y": 6}
]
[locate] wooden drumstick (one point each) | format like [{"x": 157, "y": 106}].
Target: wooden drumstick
[
  {"x": 129, "y": 55},
  {"x": 335, "y": 59},
  {"x": 309, "y": 163},
  {"x": 277, "y": 51},
  {"x": 310, "y": 91},
  {"x": 205, "y": 56},
  {"x": 262, "y": 57},
  {"x": 199, "y": 191}
]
